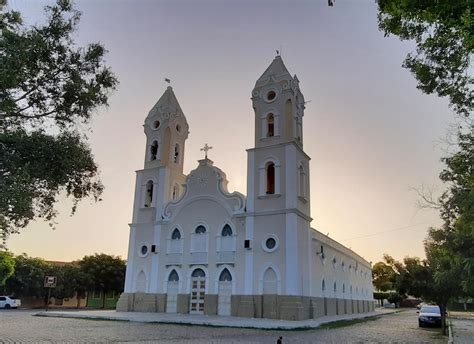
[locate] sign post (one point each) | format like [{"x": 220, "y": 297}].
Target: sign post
[{"x": 49, "y": 282}]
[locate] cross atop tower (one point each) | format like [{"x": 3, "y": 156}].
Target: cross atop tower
[{"x": 205, "y": 149}]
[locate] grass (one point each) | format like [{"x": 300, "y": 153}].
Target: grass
[{"x": 344, "y": 323}]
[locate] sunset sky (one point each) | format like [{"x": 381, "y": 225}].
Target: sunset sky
[{"x": 371, "y": 135}]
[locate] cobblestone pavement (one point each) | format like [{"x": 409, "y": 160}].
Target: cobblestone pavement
[
  {"x": 17, "y": 326},
  {"x": 463, "y": 331}
]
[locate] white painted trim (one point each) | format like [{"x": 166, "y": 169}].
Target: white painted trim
[
  {"x": 169, "y": 269},
  {"x": 155, "y": 259},
  {"x": 291, "y": 178},
  {"x": 136, "y": 278},
  {"x": 291, "y": 255},
  {"x": 262, "y": 171},
  {"x": 264, "y": 243},
  {"x": 262, "y": 274},
  {"x": 130, "y": 261},
  {"x": 248, "y": 271},
  {"x": 218, "y": 275},
  {"x": 251, "y": 192},
  {"x": 190, "y": 272}
]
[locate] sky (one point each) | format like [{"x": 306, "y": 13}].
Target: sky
[{"x": 371, "y": 135}]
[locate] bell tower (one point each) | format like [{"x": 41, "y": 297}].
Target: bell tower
[
  {"x": 278, "y": 200},
  {"x": 166, "y": 131},
  {"x": 159, "y": 182},
  {"x": 280, "y": 167}
]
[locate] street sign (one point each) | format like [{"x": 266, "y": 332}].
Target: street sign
[{"x": 50, "y": 281}]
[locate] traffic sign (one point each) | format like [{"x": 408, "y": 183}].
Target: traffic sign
[{"x": 50, "y": 281}]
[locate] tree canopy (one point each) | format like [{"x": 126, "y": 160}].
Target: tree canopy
[
  {"x": 49, "y": 89},
  {"x": 7, "y": 266},
  {"x": 105, "y": 272},
  {"x": 383, "y": 276},
  {"x": 443, "y": 31}
]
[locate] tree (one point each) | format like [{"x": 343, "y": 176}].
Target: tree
[
  {"x": 435, "y": 279},
  {"x": 381, "y": 295},
  {"x": 383, "y": 276},
  {"x": 49, "y": 89},
  {"x": 443, "y": 32},
  {"x": 7, "y": 266},
  {"x": 28, "y": 277},
  {"x": 71, "y": 281},
  {"x": 106, "y": 273},
  {"x": 456, "y": 237}
]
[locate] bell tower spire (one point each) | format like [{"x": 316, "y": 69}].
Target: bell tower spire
[{"x": 166, "y": 130}]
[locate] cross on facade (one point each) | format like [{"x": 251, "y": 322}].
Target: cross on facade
[{"x": 205, "y": 149}]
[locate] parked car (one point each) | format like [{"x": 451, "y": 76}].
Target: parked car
[
  {"x": 429, "y": 315},
  {"x": 7, "y": 302},
  {"x": 420, "y": 305}
]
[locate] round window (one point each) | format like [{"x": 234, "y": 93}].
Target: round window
[
  {"x": 271, "y": 95},
  {"x": 270, "y": 243},
  {"x": 156, "y": 124},
  {"x": 144, "y": 250}
]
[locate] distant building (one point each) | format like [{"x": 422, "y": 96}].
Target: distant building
[{"x": 197, "y": 248}]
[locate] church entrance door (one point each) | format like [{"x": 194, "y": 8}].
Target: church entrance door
[
  {"x": 198, "y": 290},
  {"x": 172, "y": 297},
  {"x": 172, "y": 292},
  {"x": 225, "y": 293}
]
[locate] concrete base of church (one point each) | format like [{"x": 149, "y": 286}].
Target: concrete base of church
[
  {"x": 141, "y": 302},
  {"x": 283, "y": 307}
]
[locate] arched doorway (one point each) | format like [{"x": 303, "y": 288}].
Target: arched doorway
[
  {"x": 198, "y": 289},
  {"x": 172, "y": 292},
  {"x": 225, "y": 293}
]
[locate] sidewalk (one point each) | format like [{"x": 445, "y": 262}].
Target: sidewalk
[
  {"x": 209, "y": 320},
  {"x": 463, "y": 330}
]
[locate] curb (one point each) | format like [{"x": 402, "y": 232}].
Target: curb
[
  {"x": 450, "y": 332},
  {"x": 206, "y": 322}
]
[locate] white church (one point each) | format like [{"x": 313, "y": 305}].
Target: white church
[{"x": 197, "y": 248}]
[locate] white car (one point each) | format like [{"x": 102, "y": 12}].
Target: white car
[{"x": 7, "y": 302}]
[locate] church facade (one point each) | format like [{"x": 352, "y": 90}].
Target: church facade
[{"x": 197, "y": 248}]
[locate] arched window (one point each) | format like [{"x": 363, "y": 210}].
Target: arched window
[
  {"x": 200, "y": 229},
  {"x": 302, "y": 181},
  {"x": 225, "y": 276},
  {"x": 335, "y": 286},
  {"x": 343, "y": 288},
  {"x": 270, "y": 179},
  {"x": 149, "y": 194},
  {"x": 176, "y": 235},
  {"x": 154, "y": 150},
  {"x": 198, "y": 273},
  {"x": 323, "y": 285},
  {"x": 270, "y": 125},
  {"x": 226, "y": 231},
  {"x": 176, "y": 154},
  {"x": 351, "y": 289},
  {"x": 175, "y": 191},
  {"x": 173, "y": 277}
]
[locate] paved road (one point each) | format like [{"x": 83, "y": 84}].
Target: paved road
[{"x": 17, "y": 326}]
